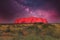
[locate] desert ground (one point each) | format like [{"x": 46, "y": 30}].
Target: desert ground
[{"x": 36, "y": 31}]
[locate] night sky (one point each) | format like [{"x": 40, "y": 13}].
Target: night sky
[{"x": 10, "y": 10}]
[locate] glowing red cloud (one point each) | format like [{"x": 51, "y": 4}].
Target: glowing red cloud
[{"x": 31, "y": 20}]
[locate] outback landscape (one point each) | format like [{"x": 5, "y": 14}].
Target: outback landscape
[{"x": 36, "y": 31}]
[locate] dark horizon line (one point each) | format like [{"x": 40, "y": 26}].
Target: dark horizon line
[{"x": 23, "y": 23}]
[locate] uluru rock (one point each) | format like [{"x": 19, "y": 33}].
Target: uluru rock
[{"x": 31, "y": 20}]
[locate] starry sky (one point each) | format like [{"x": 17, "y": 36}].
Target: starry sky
[{"x": 10, "y": 10}]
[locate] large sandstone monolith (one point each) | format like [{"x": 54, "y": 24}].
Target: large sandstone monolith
[{"x": 31, "y": 20}]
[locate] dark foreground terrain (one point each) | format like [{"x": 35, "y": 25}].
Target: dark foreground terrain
[{"x": 37, "y": 31}]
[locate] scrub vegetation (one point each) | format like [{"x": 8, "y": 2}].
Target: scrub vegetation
[{"x": 36, "y": 31}]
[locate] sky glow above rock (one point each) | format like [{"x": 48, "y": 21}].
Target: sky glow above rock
[{"x": 10, "y": 10}]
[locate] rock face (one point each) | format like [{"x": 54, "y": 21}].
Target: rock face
[{"x": 31, "y": 20}]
